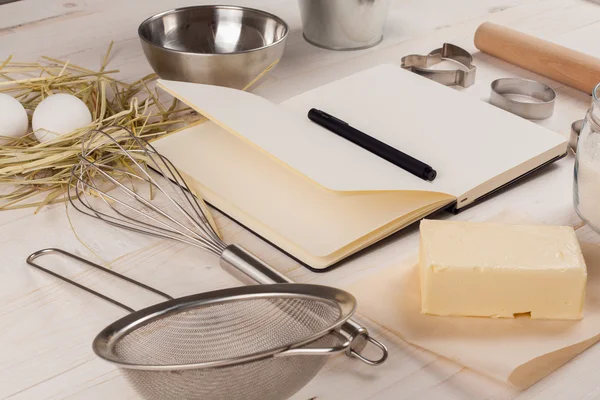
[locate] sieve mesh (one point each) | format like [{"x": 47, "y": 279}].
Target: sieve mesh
[
  {"x": 223, "y": 331},
  {"x": 271, "y": 378}
]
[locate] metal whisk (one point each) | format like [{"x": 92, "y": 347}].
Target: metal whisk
[{"x": 122, "y": 180}]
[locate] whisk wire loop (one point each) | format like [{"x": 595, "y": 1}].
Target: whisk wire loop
[{"x": 99, "y": 165}]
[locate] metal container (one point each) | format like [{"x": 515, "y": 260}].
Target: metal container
[
  {"x": 217, "y": 45},
  {"x": 343, "y": 24}
]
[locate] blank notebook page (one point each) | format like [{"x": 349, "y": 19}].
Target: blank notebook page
[{"x": 466, "y": 140}]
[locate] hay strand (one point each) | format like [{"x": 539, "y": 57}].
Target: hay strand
[{"x": 36, "y": 174}]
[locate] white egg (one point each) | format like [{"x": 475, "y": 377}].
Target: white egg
[
  {"x": 13, "y": 118},
  {"x": 59, "y": 114}
]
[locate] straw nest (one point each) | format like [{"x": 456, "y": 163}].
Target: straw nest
[{"x": 34, "y": 174}]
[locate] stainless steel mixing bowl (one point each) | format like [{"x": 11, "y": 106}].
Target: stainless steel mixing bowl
[{"x": 218, "y": 45}]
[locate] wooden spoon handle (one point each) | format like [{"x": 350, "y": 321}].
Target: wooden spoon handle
[{"x": 574, "y": 69}]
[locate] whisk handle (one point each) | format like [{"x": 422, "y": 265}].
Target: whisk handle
[{"x": 249, "y": 269}]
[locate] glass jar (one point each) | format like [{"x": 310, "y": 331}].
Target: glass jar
[{"x": 586, "y": 186}]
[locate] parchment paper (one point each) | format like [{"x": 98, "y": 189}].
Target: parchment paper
[{"x": 517, "y": 351}]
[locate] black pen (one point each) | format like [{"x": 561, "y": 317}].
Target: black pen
[{"x": 396, "y": 157}]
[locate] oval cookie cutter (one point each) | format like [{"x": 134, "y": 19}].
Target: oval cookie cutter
[{"x": 523, "y": 97}]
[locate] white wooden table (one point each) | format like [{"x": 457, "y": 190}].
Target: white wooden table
[{"x": 46, "y": 327}]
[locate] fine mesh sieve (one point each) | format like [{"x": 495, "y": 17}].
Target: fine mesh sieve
[{"x": 252, "y": 342}]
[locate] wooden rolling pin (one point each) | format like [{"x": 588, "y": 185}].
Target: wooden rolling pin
[{"x": 574, "y": 69}]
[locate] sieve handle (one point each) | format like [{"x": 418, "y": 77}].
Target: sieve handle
[
  {"x": 249, "y": 269},
  {"x": 39, "y": 253},
  {"x": 318, "y": 351}
]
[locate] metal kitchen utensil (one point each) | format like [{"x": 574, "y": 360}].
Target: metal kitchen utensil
[
  {"x": 173, "y": 213},
  {"x": 523, "y": 97},
  {"x": 463, "y": 75},
  {"x": 216, "y": 45},
  {"x": 575, "y": 132},
  {"x": 343, "y": 24},
  {"x": 261, "y": 342}
]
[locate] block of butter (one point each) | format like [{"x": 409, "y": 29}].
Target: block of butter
[{"x": 495, "y": 270}]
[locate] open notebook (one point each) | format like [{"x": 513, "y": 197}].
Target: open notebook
[{"x": 321, "y": 198}]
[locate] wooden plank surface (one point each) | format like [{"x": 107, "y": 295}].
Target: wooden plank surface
[{"x": 46, "y": 327}]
